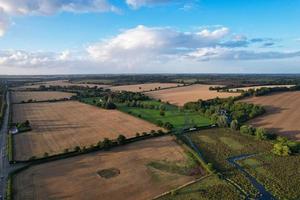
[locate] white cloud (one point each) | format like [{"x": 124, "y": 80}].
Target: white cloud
[
  {"x": 143, "y": 44},
  {"x": 220, "y": 53},
  {"x": 139, "y": 3},
  {"x": 143, "y": 49},
  {"x": 9, "y": 8}
]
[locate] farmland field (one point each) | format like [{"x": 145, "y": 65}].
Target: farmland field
[
  {"x": 172, "y": 115},
  {"x": 144, "y": 87},
  {"x": 283, "y": 113},
  {"x": 123, "y": 173},
  {"x": 258, "y": 87},
  {"x": 209, "y": 188},
  {"x": 61, "y": 125},
  {"x": 62, "y": 83},
  {"x": 217, "y": 145},
  {"x": 181, "y": 95},
  {"x": 279, "y": 174},
  {"x": 18, "y": 97}
]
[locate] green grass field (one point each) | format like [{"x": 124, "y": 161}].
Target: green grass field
[
  {"x": 217, "y": 145},
  {"x": 206, "y": 189},
  {"x": 172, "y": 114}
]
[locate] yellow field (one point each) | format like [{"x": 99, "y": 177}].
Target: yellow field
[
  {"x": 18, "y": 97},
  {"x": 62, "y": 83},
  {"x": 282, "y": 113},
  {"x": 133, "y": 177},
  {"x": 60, "y": 125},
  {"x": 258, "y": 87},
  {"x": 144, "y": 87},
  {"x": 181, "y": 95}
]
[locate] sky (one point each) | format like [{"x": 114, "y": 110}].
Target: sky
[{"x": 149, "y": 36}]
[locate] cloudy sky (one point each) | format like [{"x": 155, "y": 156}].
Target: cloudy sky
[{"x": 149, "y": 36}]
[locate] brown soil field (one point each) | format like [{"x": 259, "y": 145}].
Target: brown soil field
[
  {"x": 181, "y": 95},
  {"x": 144, "y": 87},
  {"x": 258, "y": 87},
  {"x": 60, "y": 125},
  {"x": 77, "y": 177},
  {"x": 18, "y": 97},
  {"x": 62, "y": 83},
  {"x": 283, "y": 113}
]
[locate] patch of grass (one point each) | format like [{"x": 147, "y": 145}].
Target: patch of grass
[
  {"x": 172, "y": 115},
  {"x": 207, "y": 139},
  {"x": 231, "y": 143},
  {"x": 209, "y": 188}
]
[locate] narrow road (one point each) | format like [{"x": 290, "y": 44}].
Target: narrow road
[
  {"x": 263, "y": 193},
  {"x": 4, "y": 165}
]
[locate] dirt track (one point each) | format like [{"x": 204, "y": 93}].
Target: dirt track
[
  {"x": 18, "y": 97},
  {"x": 61, "y": 125},
  {"x": 77, "y": 178},
  {"x": 283, "y": 113},
  {"x": 180, "y": 96}
]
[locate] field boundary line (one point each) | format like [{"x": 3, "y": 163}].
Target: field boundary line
[{"x": 182, "y": 186}]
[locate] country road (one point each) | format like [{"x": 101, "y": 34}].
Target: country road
[{"x": 4, "y": 165}]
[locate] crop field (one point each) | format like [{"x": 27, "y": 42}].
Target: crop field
[
  {"x": 258, "y": 87},
  {"x": 144, "y": 87},
  {"x": 181, "y": 95},
  {"x": 62, "y": 83},
  {"x": 61, "y": 125},
  {"x": 209, "y": 188},
  {"x": 283, "y": 113},
  {"x": 217, "y": 145},
  {"x": 280, "y": 175},
  {"x": 18, "y": 97},
  {"x": 126, "y": 173},
  {"x": 172, "y": 115}
]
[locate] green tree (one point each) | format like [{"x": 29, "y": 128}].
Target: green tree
[
  {"x": 121, "y": 139},
  {"x": 106, "y": 143},
  {"x": 261, "y": 134},
  {"x": 281, "y": 149},
  {"x": 248, "y": 130},
  {"x": 162, "y": 113},
  {"x": 234, "y": 125},
  {"x": 222, "y": 121}
]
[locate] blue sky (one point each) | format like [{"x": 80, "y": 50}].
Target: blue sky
[{"x": 149, "y": 36}]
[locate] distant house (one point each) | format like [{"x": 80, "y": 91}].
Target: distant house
[{"x": 13, "y": 130}]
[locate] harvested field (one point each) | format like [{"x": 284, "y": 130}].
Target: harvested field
[
  {"x": 181, "y": 95},
  {"x": 144, "y": 87},
  {"x": 60, "y": 125},
  {"x": 133, "y": 178},
  {"x": 258, "y": 87},
  {"x": 62, "y": 83},
  {"x": 283, "y": 113},
  {"x": 18, "y": 97}
]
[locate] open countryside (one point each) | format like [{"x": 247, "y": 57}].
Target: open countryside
[
  {"x": 181, "y": 95},
  {"x": 65, "y": 125}
]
